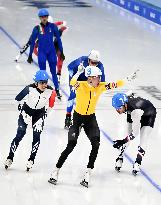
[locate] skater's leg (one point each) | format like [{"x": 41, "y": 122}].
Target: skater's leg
[
  {"x": 35, "y": 145},
  {"x": 21, "y": 131},
  {"x": 144, "y": 138},
  {"x": 52, "y": 64},
  {"x": 70, "y": 102},
  {"x": 38, "y": 125},
  {"x": 72, "y": 139},
  {"x": 147, "y": 123},
  {"x": 59, "y": 63},
  {"x": 42, "y": 60},
  {"x": 93, "y": 133},
  {"x": 119, "y": 159},
  {"x": 122, "y": 149}
]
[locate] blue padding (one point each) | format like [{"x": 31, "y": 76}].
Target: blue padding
[{"x": 141, "y": 8}]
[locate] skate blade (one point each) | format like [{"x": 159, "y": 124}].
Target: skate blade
[
  {"x": 52, "y": 181},
  {"x": 134, "y": 173},
  {"x": 6, "y": 167},
  {"x": 117, "y": 169},
  {"x": 84, "y": 183}
]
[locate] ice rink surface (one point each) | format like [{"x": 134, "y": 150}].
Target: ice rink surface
[{"x": 126, "y": 42}]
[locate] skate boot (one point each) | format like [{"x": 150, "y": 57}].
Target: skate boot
[
  {"x": 85, "y": 181},
  {"x": 68, "y": 121},
  {"x": 54, "y": 176},
  {"x": 118, "y": 163},
  {"x": 8, "y": 163},
  {"x": 29, "y": 165},
  {"x": 59, "y": 96},
  {"x": 136, "y": 169}
]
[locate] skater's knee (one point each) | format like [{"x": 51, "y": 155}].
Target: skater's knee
[
  {"x": 70, "y": 146},
  {"x": 20, "y": 134},
  {"x": 21, "y": 131},
  {"x": 36, "y": 135},
  {"x": 95, "y": 143},
  {"x": 70, "y": 102}
]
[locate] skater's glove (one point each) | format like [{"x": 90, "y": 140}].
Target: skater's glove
[
  {"x": 30, "y": 60},
  {"x": 118, "y": 143},
  {"x": 81, "y": 68},
  {"x": 38, "y": 126},
  {"x": 62, "y": 56}
]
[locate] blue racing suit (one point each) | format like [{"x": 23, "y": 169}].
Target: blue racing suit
[{"x": 46, "y": 48}]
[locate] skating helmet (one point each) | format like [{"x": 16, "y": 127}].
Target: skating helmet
[
  {"x": 43, "y": 12},
  {"x": 119, "y": 99},
  {"x": 94, "y": 55},
  {"x": 92, "y": 71},
  {"x": 41, "y": 75}
]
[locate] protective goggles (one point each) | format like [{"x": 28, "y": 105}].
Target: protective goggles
[
  {"x": 43, "y": 82},
  {"x": 93, "y": 62},
  {"x": 43, "y": 16}
]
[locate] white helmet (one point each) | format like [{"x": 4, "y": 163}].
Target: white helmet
[
  {"x": 50, "y": 19},
  {"x": 92, "y": 71},
  {"x": 94, "y": 55}
]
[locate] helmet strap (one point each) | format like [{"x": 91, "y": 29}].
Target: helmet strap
[{"x": 125, "y": 106}]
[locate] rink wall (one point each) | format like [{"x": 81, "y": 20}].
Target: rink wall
[{"x": 141, "y": 8}]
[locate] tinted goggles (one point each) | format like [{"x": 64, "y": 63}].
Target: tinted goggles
[
  {"x": 93, "y": 62},
  {"x": 43, "y": 82}
]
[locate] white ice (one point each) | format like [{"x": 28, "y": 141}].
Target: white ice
[{"x": 126, "y": 42}]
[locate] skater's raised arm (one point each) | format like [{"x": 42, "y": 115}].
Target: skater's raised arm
[
  {"x": 112, "y": 85},
  {"x": 74, "y": 81}
]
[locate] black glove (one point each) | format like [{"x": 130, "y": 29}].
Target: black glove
[
  {"x": 118, "y": 143},
  {"x": 30, "y": 60},
  {"x": 62, "y": 56}
]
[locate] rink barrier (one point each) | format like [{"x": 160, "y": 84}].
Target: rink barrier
[
  {"x": 147, "y": 177},
  {"x": 146, "y": 10}
]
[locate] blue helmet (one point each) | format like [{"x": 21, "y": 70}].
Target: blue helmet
[
  {"x": 43, "y": 12},
  {"x": 119, "y": 99},
  {"x": 41, "y": 75}
]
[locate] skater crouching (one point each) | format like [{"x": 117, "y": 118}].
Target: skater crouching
[{"x": 141, "y": 115}]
